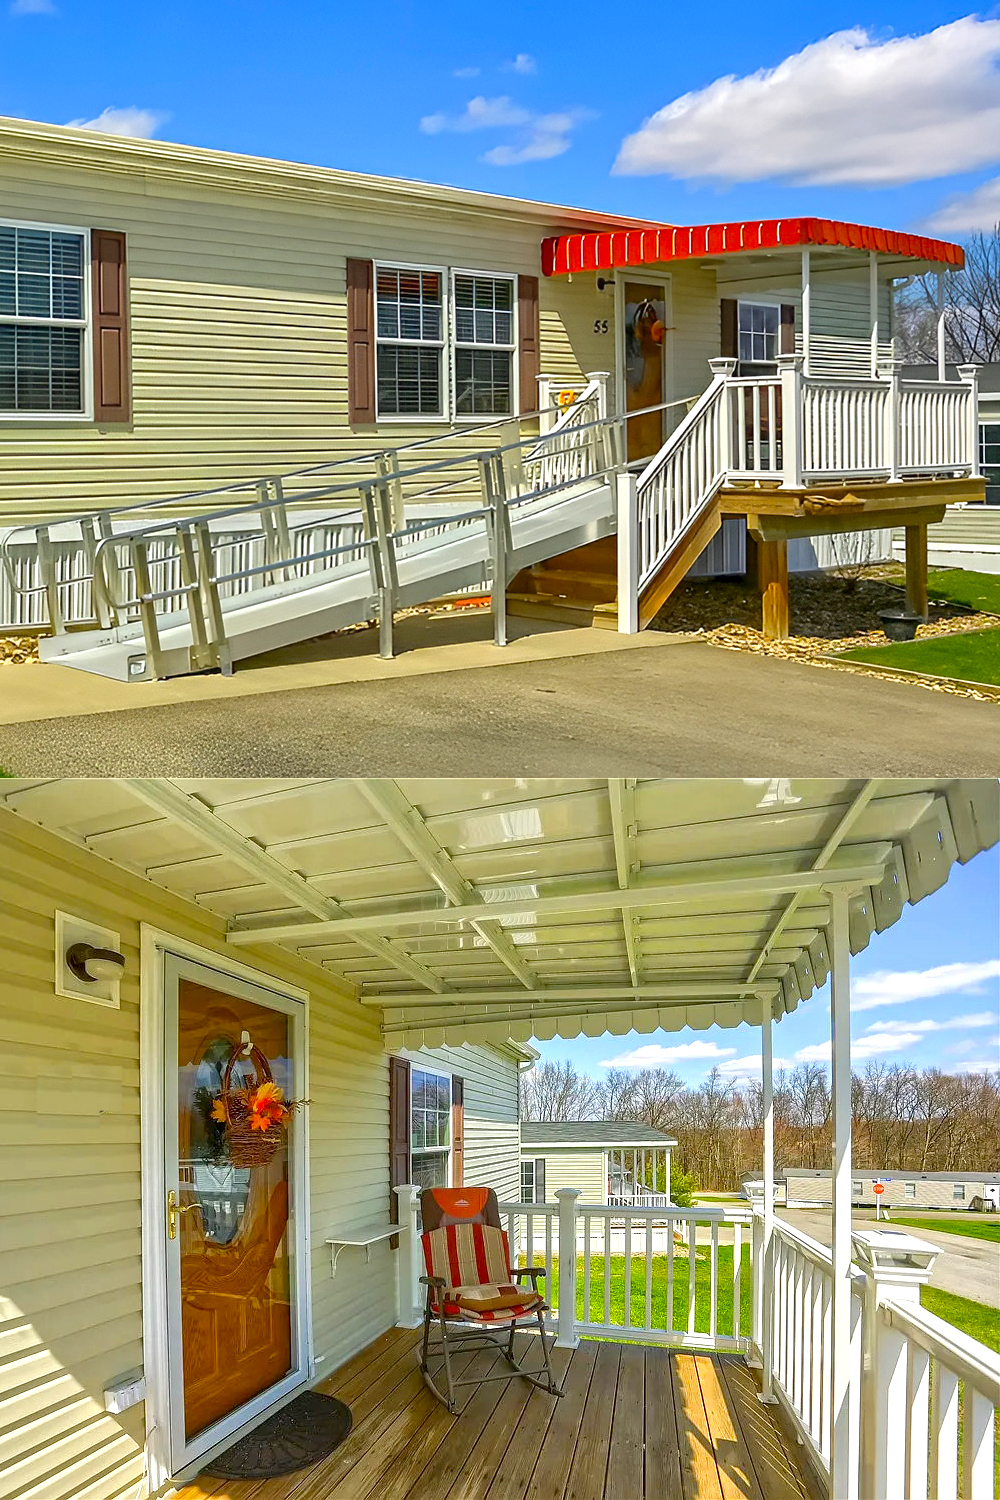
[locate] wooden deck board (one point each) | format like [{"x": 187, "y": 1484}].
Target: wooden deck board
[{"x": 635, "y": 1423}]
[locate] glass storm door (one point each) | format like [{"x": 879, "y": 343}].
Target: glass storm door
[
  {"x": 230, "y": 1251},
  {"x": 644, "y": 363}
]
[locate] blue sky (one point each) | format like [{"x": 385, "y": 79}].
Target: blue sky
[
  {"x": 897, "y": 122},
  {"x": 944, "y": 952}
]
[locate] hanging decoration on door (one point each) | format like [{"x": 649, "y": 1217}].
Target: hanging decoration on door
[{"x": 255, "y": 1115}]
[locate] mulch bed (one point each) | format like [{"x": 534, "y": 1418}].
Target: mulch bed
[
  {"x": 826, "y": 617},
  {"x": 15, "y": 650}
]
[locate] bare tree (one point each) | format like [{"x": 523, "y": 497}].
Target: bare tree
[
  {"x": 972, "y": 318},
  {"x": 556, "y": 1091}
]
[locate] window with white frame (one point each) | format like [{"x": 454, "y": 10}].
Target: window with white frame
[
  {"x": 857, "y": 1187},
  {"x": 409, "y": 330},
  {"x": 430, "y": 1128},
  {"x": 989, "y": 459},
  {"x": 958, "y": 1191},
  {"x": 909, "y": 1189},
  {"x": 759, "y": 326},
  {"x": 445, "y": 344},
  {"x": 527, "y": 1182},
  {"x": 483, "y": 329},
  {"x": 43, "y": 320}
]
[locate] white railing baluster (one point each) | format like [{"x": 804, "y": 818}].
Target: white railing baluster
[
  {"x": 649, "y": 1274},
  {"x": 713, "y": 1303},
  {"x": 944, "y": 1435},
  {"x": 692, "y": 1272},
  {"x": 977, "y": 1455},
  {"x": 586, "y": 1268},
  {"x": 737, "y": 1279},
  {"x": 671, "y": 1324},
  {"x": 918, "y": 1393},
  {"x": 627, "y": 1246}
]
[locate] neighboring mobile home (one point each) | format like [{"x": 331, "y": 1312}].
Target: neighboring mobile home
[
  {"x": 176, "y": 320},
  {"x": 610, "y": 1161},
  {"x": 805, "y": 1186}
]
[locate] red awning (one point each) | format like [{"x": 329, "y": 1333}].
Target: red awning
[{"x": 604, "y": 250}]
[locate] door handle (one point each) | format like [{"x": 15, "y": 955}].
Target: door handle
[{"x": 174, "y": 1211}]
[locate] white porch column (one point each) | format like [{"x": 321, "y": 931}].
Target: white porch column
[
  {"x": 941, "y": 288},
  {"x": 766, "y": 1261},
  {"x": 628, "y": 554},
  {"x": 409, "y": 1261},
  {"x": 844, "y": 1452},
  {"x": 806, "y": 307},
  {"x": 873, "y": 307},
  {"x": 970, "y": 374},
  {"x": 791, "y": 373},
  {"x": 566, "y": 1312}
]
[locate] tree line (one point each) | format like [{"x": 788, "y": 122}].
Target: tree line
[{"x": 905, "y": 1118}]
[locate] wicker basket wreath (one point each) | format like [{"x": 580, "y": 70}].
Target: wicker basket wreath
[{"x": 255, "y": 1115}]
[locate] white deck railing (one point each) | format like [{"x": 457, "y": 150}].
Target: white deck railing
[{"x": 923, "y": 1396}]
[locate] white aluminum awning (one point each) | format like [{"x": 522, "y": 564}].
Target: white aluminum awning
[{"x": 490, "y": 909}]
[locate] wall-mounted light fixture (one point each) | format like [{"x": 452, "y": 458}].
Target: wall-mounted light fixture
[
  {"x": 93, "y": 964},
  {"x": 89, "y": 963},
  {"x": 603, "y": 281}
]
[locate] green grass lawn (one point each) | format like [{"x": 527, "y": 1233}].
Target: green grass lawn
[
  {"x": 724, "y": 1300},
  {"x": 976, "y": 590},
  {"x": 982, "y": 1229},
  {"x": 973, "y": 657}
]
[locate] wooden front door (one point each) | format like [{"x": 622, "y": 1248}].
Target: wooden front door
[
  {"x": 643, "y": 357},
  {"x": 230, "y": 1256}
]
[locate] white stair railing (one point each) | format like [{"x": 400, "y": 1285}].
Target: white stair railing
[{"x": 684, "y": 476}]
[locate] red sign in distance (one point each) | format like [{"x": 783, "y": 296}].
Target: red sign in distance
[{"x": 878, "y": 1187}]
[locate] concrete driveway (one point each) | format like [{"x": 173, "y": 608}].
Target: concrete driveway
[
  {"x": 589, "y": 704},
  {"x": 969, "y": 1268}
]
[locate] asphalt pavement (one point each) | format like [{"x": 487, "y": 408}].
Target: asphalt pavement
[{"x": 687, "y": 709}]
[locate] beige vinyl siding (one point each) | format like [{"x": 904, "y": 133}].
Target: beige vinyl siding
[
  {"x": 577, "y": 1167},
  {"x": 492, "y": 1132},
  {"x": 237, "y": 331},
  {"x": 964, "y": 526},
  {"x": 70, "y": 1304}
]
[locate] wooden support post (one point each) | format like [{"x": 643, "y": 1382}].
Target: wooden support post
[
  {"x": 772, "y": 579},
  {"x": 916, "y": 570}
]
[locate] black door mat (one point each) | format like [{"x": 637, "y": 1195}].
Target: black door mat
[{"x": 300, "y": 1434}]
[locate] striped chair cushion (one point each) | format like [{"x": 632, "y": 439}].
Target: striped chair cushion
[{"x": 474, "y": 1262}]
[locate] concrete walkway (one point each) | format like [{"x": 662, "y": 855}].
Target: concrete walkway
[
  {"x": 969, "y": 1268},
  {"x": 567, "y": 703}
]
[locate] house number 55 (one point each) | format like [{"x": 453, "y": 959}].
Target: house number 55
[{"x": 600, "y": 325}]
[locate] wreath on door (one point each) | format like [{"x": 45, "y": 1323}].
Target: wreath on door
[{"x": 254, "y": 1116}]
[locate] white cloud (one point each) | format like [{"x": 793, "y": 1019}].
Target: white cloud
[
  {"x": 466, "y": 72},
  {"x": 896, "y": 987},
  {"x": 751, "y": 1067},
  {"x": 979, "y": 209},
  {"x": 956, "y": 1023},
  {"x": 847, "y": 109},
  {"x": 980, "y": 1065},
  {"x": 872, "y": 1044},
  {"x": 32, "y": 8},
  {"x": 132, "y": 121},
  {"x": 539, "y": 136},
  {"x": 522, "y": 63},
  {"x": 653, "y": 1055}
]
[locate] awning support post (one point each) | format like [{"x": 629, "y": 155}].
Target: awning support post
[
  {"x": 806, "y": 301},
  {"x": 766, "y": 1259},
  {"x": 844, "y": 1450},
  {"x": 941, "y": 288},
  {"x": 873, "y": 307}
]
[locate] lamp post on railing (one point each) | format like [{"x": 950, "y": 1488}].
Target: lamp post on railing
[
  {"x": 970, "y": 375},
  {"x": 896, "y": 1266},
  {"x": 408, "y": 1260},
  {"x": 566, "y": 1314}
]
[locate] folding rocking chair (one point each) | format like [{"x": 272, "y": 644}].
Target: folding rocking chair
[{"x": 471, "y": 1285}]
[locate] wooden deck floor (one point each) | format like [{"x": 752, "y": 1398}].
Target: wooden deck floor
[{"x": 634, "y": 1424}]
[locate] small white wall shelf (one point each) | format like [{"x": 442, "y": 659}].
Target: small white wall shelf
[{"x": 365, "y": 1237}]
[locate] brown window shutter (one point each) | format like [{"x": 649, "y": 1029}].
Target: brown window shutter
[
  {"x": 360, "y": 341},
  {"x": 786, "y": 336},
  {"x": 399, "y": 1133},
  {"x": 457, "y": 1131},
  {"x": 539, "y": 1179},
  {"x": 729, "y": 346},
  {"x": 112, "y": 395},
  {"x": 529, "y": 358}
]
